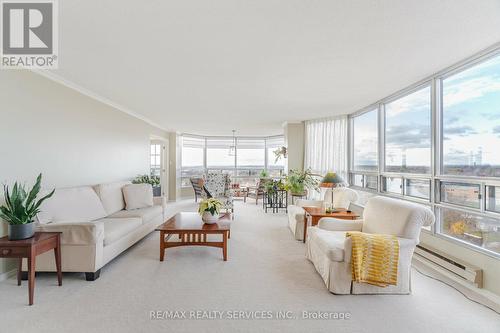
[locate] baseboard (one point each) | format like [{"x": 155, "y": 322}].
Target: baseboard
[
  {"x": 7, "y": 275},
  {"x": 482, "y": 296}
]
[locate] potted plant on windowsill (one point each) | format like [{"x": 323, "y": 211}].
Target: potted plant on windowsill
[
  {"x": 209, "y": 210},
  {"x": 154, "y": 181},
  {"x": 21, "y": 208}
]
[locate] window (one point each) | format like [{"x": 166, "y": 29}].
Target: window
[
  {"x": 365, "y": 181},
  {"x": 365, "y": 142},
  {"x": 408, "y": 133},
  {"x": 418, "y": 188},
  {"x": 192, "y": 158},
  {"x": 461, "y": 194},
  {"x": 201, "y": 154},
  {"x": 493, "y": 198},
  {"x": 471, "y": 121},
  {"x": 392, "y": 185},
  {"x": 452, "y": 171},
  {"x": 478, "y": 230},
  {"x": 218, "y": 157},
  {"x": 155, "y": 163}
]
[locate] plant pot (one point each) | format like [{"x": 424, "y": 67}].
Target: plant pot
[
  {"x": 21, "y": 231},
  {"x": 208, "y": 218},
  {"x": 157, "y": 191}
]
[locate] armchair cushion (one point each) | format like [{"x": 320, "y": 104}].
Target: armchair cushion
[{"x": 331, "y": 243}]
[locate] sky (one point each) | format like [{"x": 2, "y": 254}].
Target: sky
[{"x": 471, "y": 118}]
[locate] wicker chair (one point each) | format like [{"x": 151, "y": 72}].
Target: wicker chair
[
  {"x": 197, "y": 183},
  {"x": 256, "y": 192}
]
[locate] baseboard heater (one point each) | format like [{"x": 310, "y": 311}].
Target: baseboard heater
[{"x": 468, "y": 272}]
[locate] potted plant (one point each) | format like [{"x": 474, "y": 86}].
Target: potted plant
[
  {"x": 21, "y": 208},
  {"x": 297, "y": 182},
  {"x": 264, "y": 174},
  {"x": 209, "y": 210},
  {"x": 154, "y": 181},
  {"x": 279, "y": 153}
]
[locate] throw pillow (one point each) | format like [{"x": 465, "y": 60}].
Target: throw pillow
[{"x": 138, "y": 196}]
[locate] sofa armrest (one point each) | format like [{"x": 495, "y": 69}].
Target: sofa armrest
[
  {"x": 333, "y": 224},
  {"x": 309, "y": 203},
  {"x": 77, "y": 233}
]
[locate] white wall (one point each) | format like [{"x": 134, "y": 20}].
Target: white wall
[{"x": 70, "y": 138}]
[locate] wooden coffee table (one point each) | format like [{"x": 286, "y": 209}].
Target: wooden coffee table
[
  {"x": 314, "y": 214},
  {"x": 193, "y": 231}
]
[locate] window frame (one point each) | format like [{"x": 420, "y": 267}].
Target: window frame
[
  {"x": 436, "y": 175},
  {"x": 234, "y": 168}
]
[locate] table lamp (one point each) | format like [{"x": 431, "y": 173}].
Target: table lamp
[{"x": 331, "y": 180}]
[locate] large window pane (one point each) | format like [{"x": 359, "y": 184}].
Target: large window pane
[
  {"x": 418, "y": 188},
  {"x": 365, "y": 141},
  {"x": 250, "y": 154},
  {"x": 218, "y": 156},
  {"x": 471, "y": 228},
  {"x": 461, "y": 194},
  {"x": 275, "y": 167},
  {"x": 191, "y": 159},
  {"x": 408, "y": 133},
  {"x": 471, "y": 121}
]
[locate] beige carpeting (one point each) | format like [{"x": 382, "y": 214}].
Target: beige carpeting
[{"x": 266, "y": 272}]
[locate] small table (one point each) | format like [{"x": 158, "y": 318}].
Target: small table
[
  {"x": 193, "y": 231},
  {"x": 29, "y": 248},
  {"x": 276, "y": 200},
  {"x": 314, "y": 214}
]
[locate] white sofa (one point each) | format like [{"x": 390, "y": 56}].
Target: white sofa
[
  {"x": 330, "y": 251},
  {"x": 95, "y": 226},
  {"x": 342, "y": 198}
]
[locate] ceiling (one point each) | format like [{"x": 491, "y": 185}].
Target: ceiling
[{"x": 208, "y": 67}]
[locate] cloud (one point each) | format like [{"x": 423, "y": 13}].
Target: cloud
[
  {"x": 419, "y": 100},
  {"x": 409, "y": 136},
  {"x": 459, "y": 91},
  {"x": 457, "y": 157},
  {"x": 459, "y": 130},
  {"x": 491, "y": 116},
  {"x": 496, "y": 130}
]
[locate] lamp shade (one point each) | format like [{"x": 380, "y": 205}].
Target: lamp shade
[{"x": 331, "y": 179}]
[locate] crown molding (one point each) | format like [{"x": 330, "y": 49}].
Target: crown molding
[{"x": 86, "y": 92}]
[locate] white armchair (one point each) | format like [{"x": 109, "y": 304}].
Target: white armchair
[
  {"x": 330, "y": 251},
  {"x": 342, "y": 198}
]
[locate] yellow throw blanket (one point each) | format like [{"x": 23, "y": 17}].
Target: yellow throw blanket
[{"x": 374, "y": 258}]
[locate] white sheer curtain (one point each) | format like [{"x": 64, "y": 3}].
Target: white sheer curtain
[{"x": 326, "y": 146}]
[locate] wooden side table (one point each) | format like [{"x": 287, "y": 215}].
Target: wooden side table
[
  {"x": 29, "y": 248},
  {"x": 314, "y": 214}
]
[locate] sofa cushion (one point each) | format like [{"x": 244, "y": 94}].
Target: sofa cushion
[
  {"x": 138, "y": 196},
  {"x": 116, "y": 228},
  {"x": 111, "y": 196},
  {"x": 75, "y": 204},
  {"x": 331, "y": 243},
  {"x": 146, "y": 214}
]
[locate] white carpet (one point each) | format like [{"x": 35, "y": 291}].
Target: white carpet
[{"x": 266, "y": 271}]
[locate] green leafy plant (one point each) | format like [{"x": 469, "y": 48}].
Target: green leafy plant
[
  {"x": 272, "y": 186},
  {"x": 146, "y": 179},
  {"x": 21, "y": 207},
  {"x": 264, "y": 174},
  {"x": 279, "y": 153},
  {"x": 298, "y": 181},
  {"x": 211, "y": 205}
]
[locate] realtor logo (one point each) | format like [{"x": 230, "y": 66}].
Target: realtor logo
[{"x": 29, "y": 34}]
